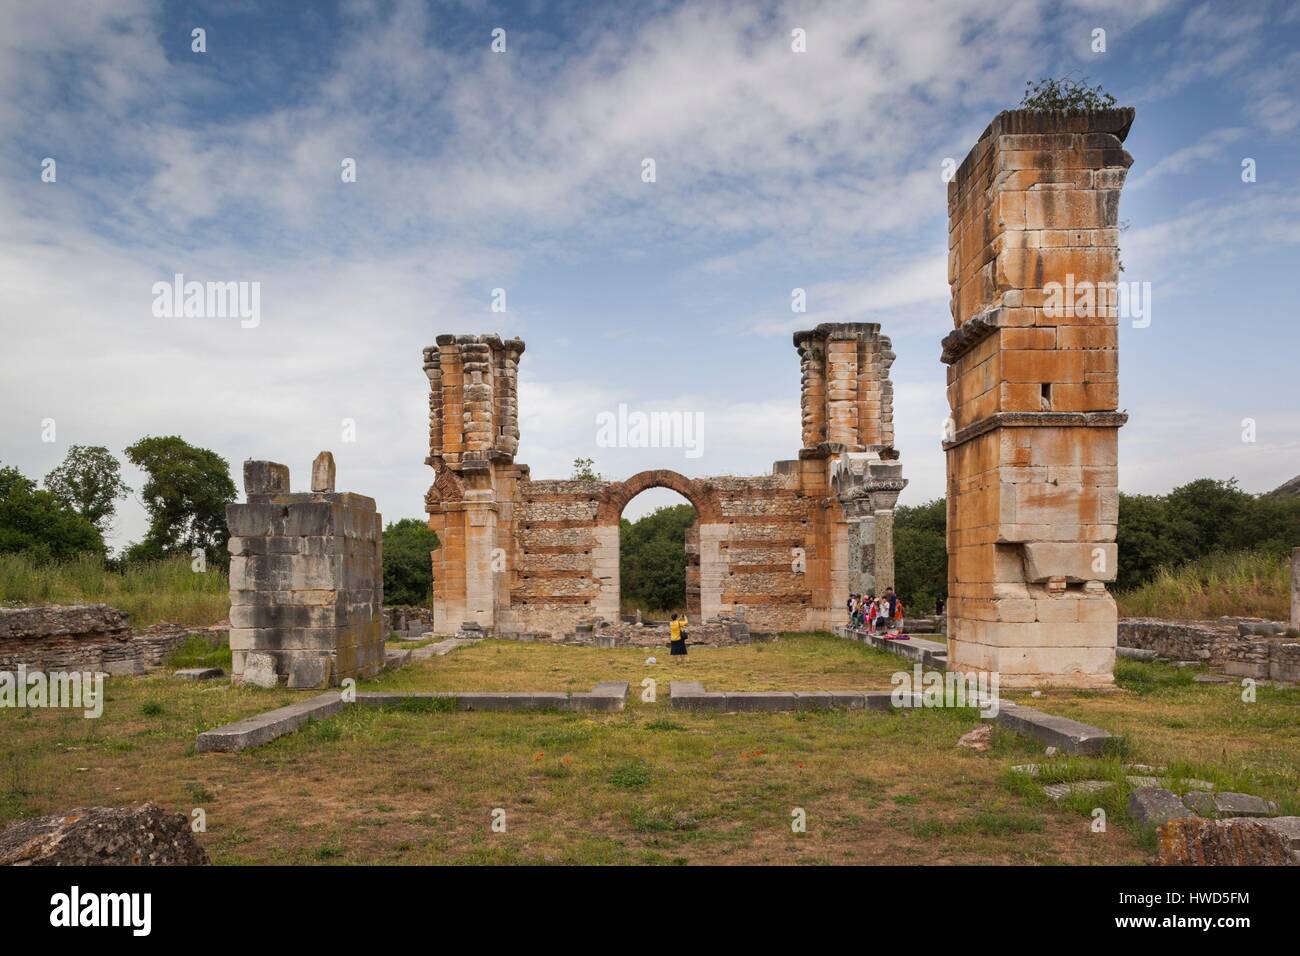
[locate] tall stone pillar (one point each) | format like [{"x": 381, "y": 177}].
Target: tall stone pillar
[
  {"x": 1031, "y": 450},
  {"x": 848, "y": 416},
  {"x": 473, "y": 437}
]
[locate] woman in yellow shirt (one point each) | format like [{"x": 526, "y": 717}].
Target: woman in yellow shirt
[{"x": 677, "y": 636}]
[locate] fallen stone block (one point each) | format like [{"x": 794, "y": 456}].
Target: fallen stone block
[
  {"x": 146, "y": 835},
  {"x": 1136, "y": 653},
  {"x": 1229, "y": 804},
  {"x": 199, "y": 673},
  {"x": 263, "y": 728},
  {"x": 980, "y": 739},
  {"x": 1236, "y": 842},
  {"x": 1059, "y": 791},
  {"x": 1068, "y": 735},
  {"x": 1152, "y": 806}
]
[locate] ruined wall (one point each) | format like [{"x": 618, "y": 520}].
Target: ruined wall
[
  {"x": 522, "y": 556},
  {"x": 306, "y": 581},
  {"x": 1033, "y": 387}
]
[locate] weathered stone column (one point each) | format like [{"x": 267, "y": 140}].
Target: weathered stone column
[
  {"x": 1032, "y": 381},
  {"x": 473, "y": 436}
]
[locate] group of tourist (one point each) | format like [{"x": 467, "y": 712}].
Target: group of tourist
[{"x": 883, "y": 613}]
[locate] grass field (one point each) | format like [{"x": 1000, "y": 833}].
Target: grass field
[
  {"x": 151, "y": 592},
  {"x": 649, "y": 785},
  {"x": 1238, "y": 584}
]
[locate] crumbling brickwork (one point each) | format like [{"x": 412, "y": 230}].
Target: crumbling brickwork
[
  {"x": 523, "y": 556},
  {"x": 306, "y": 580},
  {"x": 1033, "y": 386}
]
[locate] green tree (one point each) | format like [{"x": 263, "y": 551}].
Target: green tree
[
  {"x": 1065, "y": 94},
  {"x": 90, "y": 482},
  {"x": 408, "y": 568},
  {"x": 40, "y": 525},
  {"x": 582, "y": 470},
  {"x": 921, "y": 554},
  {"x": 652, "y": 559},
  {"x": 186, "y": 495}
]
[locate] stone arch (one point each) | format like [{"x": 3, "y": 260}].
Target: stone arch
[
  {"x": 705, "y": 565},
  {"x": 699, "y": 493}
]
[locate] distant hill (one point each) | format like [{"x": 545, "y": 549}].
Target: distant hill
[{"x": 1290, "y": 489}]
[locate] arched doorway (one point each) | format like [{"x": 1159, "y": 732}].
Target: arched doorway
[{"x": 703, "y": 542}]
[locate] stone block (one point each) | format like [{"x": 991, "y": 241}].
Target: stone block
[
  {"x": 199, "y": 673},
  {"x": 322, "y": 473},
  {"x": 1229, "y": 804},
  {"x": 1069, "y": 736},
  {"x": 754, "y": 701},
  {"x": 310, "y": 671},
  {"x": 1152, "y": 806},
  {"x": 263, "y": 728},
  {"x": 265, "y": 478},
  {"x": 259, "y": 670}
]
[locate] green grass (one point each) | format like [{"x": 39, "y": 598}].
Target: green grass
[
  {"x": 150, "y": 592},
  {"x": 1237, "y": 584},
  {"x": 650, "y": 785},
  {"x": 198, "y": 650}
]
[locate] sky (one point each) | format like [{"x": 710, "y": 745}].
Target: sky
[{"x": 523, "y": 170}]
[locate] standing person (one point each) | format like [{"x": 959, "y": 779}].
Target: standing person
[
  {"x": 898, "y": 616},
  {"x": 677, "y": 636},
  {"x": 869, "y": 613},
  {"x": 888, "y": 608},
  {"x": 850, "y": 604}
]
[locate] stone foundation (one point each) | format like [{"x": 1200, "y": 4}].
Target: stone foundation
[
  {"x": 87, "y": 638},
  {"x": 1217, "y": 644},
  {"x": 306, "y": 581}
]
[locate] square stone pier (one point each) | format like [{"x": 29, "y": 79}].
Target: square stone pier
[{"x": 306, "y": 580}]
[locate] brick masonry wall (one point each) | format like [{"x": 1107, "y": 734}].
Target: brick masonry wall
[{"x": 519, "y": 556}]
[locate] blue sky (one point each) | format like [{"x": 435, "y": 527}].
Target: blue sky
[{"x": 521, "y": 170}]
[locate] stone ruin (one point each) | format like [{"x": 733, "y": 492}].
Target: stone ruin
[
  {"x": 1033, "y": 500},
  {"x": 522, "y": 556},
  {"x": 1031, "y": 448},
  {"x": 306, "y": 580}
]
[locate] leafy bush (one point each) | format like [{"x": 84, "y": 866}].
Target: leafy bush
[
  {"x": 408, "y": 567},
  {"x": 1065, "y": 94},
  {"x": 41, "y": 525},
  {"x": 921, "y": 554},
  {"x": 652, "y": 559}
]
